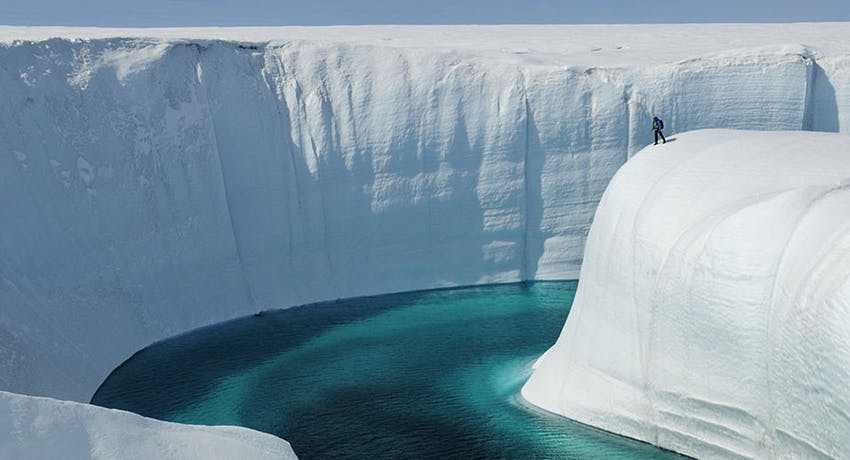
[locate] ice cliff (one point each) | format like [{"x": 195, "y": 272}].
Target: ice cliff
[
  {"x": 712, "y": 312},
  {"x": 155, "y": 181}
]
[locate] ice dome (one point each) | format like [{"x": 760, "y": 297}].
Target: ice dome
[{"x": 713, "y": 310}]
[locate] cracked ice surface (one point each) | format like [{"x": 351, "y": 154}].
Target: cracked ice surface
[{"x": 712, "y": 312}]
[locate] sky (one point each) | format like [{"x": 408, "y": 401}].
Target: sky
[{"x": 173, "y": 13}]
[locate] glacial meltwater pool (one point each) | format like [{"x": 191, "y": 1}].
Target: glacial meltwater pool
[{"x": 432, "y": 374}]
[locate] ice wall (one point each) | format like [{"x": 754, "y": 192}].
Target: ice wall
[
  {"x": 712, "y": 313},
  {"x": 43, "y": 428},
  {"x": 150, "y": 186}
]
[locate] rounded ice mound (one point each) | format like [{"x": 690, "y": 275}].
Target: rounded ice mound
[{"x": 713, "y": 312}]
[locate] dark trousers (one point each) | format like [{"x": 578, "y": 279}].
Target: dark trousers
[{"x": 659, "y": 133}]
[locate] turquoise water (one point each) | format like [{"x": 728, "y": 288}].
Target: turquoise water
[{"x": 424, "y": 374}]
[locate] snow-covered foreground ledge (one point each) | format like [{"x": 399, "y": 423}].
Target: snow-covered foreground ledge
[
  {"x": 43, "y": 428},
  {"x": 713, "y": 313}
]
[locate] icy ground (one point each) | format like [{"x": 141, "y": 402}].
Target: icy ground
[
  {"x": 154, "y": 181},
  {"x": 713, "y": 313},
  {"x": 43, "y": 428}
]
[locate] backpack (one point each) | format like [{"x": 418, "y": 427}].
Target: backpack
[{"x": 659, "y": 123}]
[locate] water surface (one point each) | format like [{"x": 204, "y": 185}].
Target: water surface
[{"x": 413, "y": 375}]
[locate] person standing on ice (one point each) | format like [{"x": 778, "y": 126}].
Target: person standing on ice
[{"x": 657, "y": 126}]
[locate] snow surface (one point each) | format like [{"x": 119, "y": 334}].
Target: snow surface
[
  {"x": 43, "y": 428},
  {"x": 713, "y": 311},
  {"x": 157, "y": 180}
]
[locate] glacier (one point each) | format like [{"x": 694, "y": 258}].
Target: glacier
[
  {"x": 712, "y": 313},
  {"x": 158, "y": 180}
]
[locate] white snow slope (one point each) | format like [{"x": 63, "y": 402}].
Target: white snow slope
[
  {"x": 713, "y": 312},
  {"x": 153, "y": 181},
  {"x": 42, "y": 428}
]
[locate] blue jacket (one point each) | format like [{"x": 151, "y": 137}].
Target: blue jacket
[{"x": 657, "y": 124}]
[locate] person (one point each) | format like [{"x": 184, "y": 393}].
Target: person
[{"x": 657, "y": 126}]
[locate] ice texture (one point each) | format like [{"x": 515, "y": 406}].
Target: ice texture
[
  {"x": 154, "y": 181},
  {"x": 43, "y": 428},
  {"x": 712, "y": 312}
]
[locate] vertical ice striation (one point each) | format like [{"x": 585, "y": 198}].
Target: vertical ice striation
[{"x": 155, "y": 185}]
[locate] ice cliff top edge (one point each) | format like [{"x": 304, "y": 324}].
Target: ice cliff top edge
[
  {"x": 712, "y": 313},
  {"x": 571, "y": 45}
]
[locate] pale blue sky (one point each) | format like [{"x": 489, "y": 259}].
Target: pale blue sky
[{"x": 152, "y": 13}]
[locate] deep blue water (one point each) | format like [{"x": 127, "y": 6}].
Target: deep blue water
[{"x": 413, "y": 375}]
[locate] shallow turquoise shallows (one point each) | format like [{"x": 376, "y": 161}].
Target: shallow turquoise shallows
[{"x": 423, "y": 374}]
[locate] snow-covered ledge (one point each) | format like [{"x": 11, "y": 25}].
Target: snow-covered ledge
[
  {"x": 45, "y": 428},
  {"x": 713, "y": 313}
]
